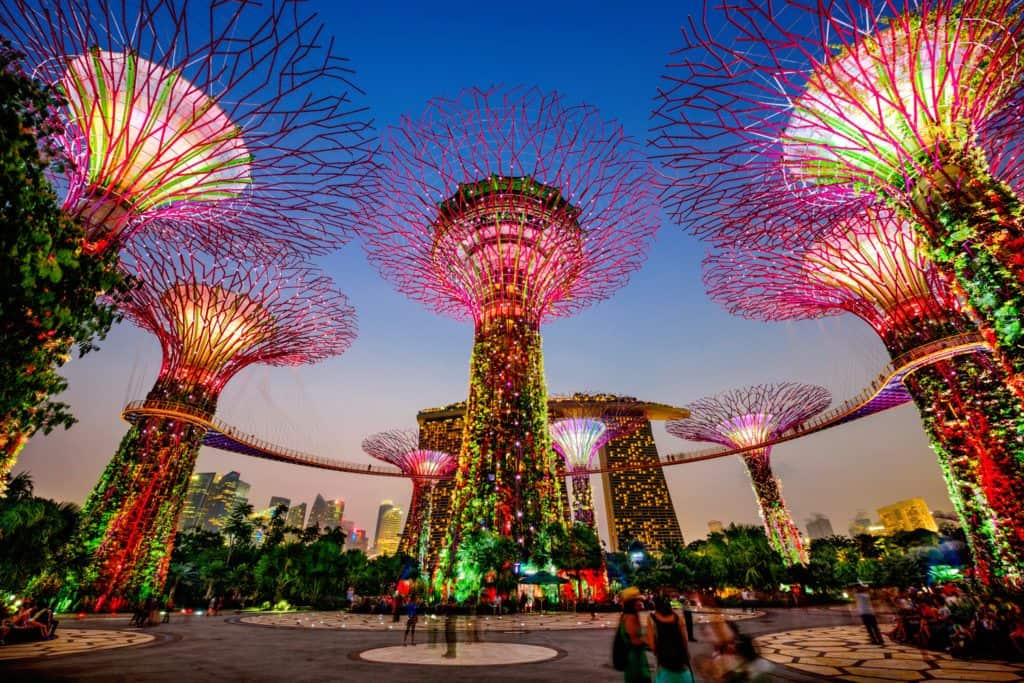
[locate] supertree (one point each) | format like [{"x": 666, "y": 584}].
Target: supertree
[
  {"x": 235, "y": 117},
  {"x": 400, "y": 447},
  {"x": 510, "y": 208},
  {"x": 213, "y": 317},
  {"x": 578, "y": 439},
  {"x": 869, "y": 264},
  {"x": 848, "y": 101},
  {"x": 237, "y": 121},
  {"x": 749, "y": 416}
]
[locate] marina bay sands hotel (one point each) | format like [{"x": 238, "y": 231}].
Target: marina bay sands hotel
[{"x": 637, "y": 503}]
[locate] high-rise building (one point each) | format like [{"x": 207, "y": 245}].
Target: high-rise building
[
  {"x": 860, "y": 525},
  {"x": 356, "y": 539},
  {"x": 943, "y": 518},
  {"x": 715, "y": 527},
  {"x": 907, "y": 515},
  {"x": 389, "y": 529},
  {"x": 279, "y": 500},
  {"x": 638, "y": 503},
  {"x": 228, "y": 491},
  {"x": 193, "y": 512},
  {"x": 296, "y": 516},
  {"x": 326, "y": 513},
  {"x": 819, "y": 526},
  {"x": 210, "y": 498}
]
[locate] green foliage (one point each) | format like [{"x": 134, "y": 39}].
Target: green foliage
[
  {"x": 48, "y": 302},
  {"x": 33, "y": 532}
]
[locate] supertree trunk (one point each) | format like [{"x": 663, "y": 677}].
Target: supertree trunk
[
  {"x": 783, "y": 536},
  {"x": 130, "y": 519},
  {"x": 583, "y": 499},
  {"x": 976, "y": 425},
  {"x": 506, "y": 478},
  {"x": 971, "y": 225}
]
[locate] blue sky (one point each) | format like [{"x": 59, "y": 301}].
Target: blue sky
[{"x": 659, "y": 338}]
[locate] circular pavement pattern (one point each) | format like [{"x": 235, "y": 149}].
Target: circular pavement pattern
[
  {"x": 466, "y": 654},
  {"x": 516, "y": 623},
  {"x": 843, "y": 653},
  {"x": 75, "y": 641}
]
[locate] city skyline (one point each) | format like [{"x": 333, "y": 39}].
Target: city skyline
[{"x": 659, "y": 338}]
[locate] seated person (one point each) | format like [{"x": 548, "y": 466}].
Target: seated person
[{"x": 28, "y": 624}]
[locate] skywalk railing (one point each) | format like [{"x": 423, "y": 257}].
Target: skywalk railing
[{"x": 885, "y": 391}]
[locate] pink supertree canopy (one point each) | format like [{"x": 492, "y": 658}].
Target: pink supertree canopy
[
  {"x": 208, "y": 113},
  {"x": 748, "y": 417},
  {"x": 215, "y": 315},
  {"x": 400, "y": 447},
  {"x": 837, "y": 102},
  {"x": 510, "y": 203},
  {"x": 752, "y": 415},
  {"x": 868, "y": 264}
]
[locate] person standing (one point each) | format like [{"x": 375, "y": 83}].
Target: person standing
[
  {"x": 411, "y": 611},
  {"x": 397, "y": 608},
  {"x": 666, "y": 636},
  {"x": 631, "y": 631},
  {"x": 450, "y": 635},
  {"x": 867, "y": 614}
]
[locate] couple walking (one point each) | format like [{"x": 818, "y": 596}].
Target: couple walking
[{"x": 665, "y": 635}]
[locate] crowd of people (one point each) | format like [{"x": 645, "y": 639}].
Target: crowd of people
[
  {"x": 668, "y": 634},
  {"x": 965, "y": 625}
]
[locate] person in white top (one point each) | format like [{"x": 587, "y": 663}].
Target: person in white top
[{"x": 867, "y": 614}]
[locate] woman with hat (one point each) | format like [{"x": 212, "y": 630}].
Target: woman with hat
[{"x": 631, "y": 633}]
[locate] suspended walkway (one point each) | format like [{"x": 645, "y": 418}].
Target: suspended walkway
[{"x": 886, "y": 391}]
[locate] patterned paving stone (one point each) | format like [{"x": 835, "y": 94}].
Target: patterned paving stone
[
  {"x": 466, "y": 654},
  {"x": 74, "y": 641},
  {"x": 845, "y": 651}
]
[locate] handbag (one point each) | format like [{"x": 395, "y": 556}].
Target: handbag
[{"x": 620, "y": 649}]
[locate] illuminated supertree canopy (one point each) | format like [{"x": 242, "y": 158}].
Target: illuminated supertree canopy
[
  {"x": 508, "y": 207},
  {"x": 869, "y": 265},
  {"x": 578, "y": 440},
  {"x": 213, "y": 317},
  {"x": 216, "y": 114},
  {"x": 750, "y": 416},
  {"x": 401, "y": 448},
  {"x": 845, "y": 102}
]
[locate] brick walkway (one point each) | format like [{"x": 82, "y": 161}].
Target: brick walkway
[
  {"x": 74, "y": 641},
  {"x": 843, "y": 653}
]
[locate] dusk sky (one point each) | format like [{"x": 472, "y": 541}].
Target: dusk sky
[{"x": 658, "y": 339}]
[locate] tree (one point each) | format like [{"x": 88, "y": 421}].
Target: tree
[
  {"x": 33, "y": 532},
  {"x": 576, "y": 549},
  {"x": 238, "y": 529},
  {"x": 49, "y": 299}
]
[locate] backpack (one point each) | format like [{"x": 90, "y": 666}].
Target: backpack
[{"x": 620, "y": 649}]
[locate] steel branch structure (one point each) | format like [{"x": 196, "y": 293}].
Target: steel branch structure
[
  {"x": 869, "y": 265},
  {"x": 842, "y": 102},
  {"x": 753, "y": 415},
  {"x": 213, "y": 317},
  {"x": 508, "y": 207},
  {"x": 215, "y": 113},
  {"x": 401, "y": 449}
]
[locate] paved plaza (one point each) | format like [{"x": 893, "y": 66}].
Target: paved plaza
[
  {"x": 803, "y": 645},
  {"x": 843, "y": 653},
  {"x": 515, "y": 623}
]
